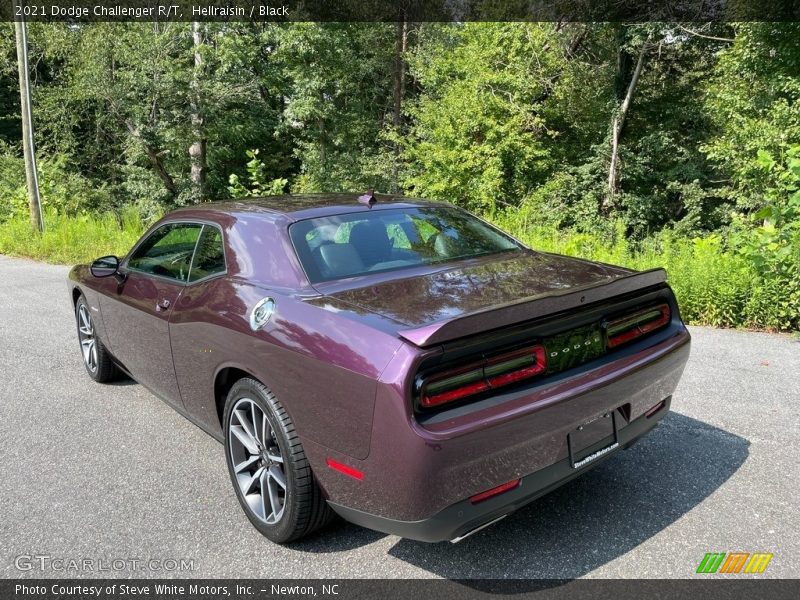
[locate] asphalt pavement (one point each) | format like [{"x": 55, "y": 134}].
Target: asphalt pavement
[{"x": 105, "y": 473}]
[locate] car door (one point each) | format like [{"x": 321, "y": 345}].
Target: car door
[
  {"x": 137, "y": 316},
  {"x": 199, "y": 326}
]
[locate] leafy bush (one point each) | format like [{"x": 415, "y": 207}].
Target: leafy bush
[
  {"x": 716, "y": 283},
  {"x": 258, "y": 183},
  {"x": 769, "y": 240},
  {"x": 61, "y": 188}
]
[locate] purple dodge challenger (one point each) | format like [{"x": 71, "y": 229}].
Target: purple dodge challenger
[{"x": 398, "y": 362}]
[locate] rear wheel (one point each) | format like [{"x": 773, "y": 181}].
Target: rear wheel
[
  {"x": 268, "y": 467},
  {"x": 96, "y": 358}
]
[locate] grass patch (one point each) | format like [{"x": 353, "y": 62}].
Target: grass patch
[{"x": 69, "y": 240}]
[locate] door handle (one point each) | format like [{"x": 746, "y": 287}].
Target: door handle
[{"x": 162, "y": 304}]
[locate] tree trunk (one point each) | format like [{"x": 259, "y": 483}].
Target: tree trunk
[
  {"x": 617, "y": 123},
  {"x": 29, "y": 151},
  {"x": 197, "y": 150},
  {"x": 399, "y": 94}
]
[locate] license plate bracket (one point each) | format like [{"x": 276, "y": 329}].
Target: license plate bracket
[{"x": 584, "y": 443}]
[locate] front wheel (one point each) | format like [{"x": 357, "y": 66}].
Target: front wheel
[
  {"x": 96, "y": 358},
  {"x": 268, "y": 467}
]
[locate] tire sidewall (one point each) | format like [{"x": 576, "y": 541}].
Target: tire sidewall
[{"x": 249, "y": 388}]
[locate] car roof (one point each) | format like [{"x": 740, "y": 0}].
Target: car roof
[{"x": 303, "y": 206}]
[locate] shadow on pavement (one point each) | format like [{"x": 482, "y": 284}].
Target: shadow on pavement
[
  {"x": 595, "y": 518},
  {"x": 123, "y": 380},
  {"x": 337, "y": 537}
]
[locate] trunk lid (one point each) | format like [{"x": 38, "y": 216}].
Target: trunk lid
[{"x": 486, "y": 294}]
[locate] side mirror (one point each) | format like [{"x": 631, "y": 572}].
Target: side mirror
[{"x": 106, "y": 266}]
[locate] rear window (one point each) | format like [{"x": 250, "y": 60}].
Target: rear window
[{"x": 354, "y": 244}]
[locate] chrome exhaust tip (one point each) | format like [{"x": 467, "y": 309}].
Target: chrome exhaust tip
[{"x": 455, "y": 540}]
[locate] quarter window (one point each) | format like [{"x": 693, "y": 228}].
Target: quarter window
[
  {"x": 168, "y": 251},
  {"x": 209, "y": 258}
]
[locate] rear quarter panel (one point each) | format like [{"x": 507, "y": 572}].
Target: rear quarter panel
[{"x": 322, "y": 366}]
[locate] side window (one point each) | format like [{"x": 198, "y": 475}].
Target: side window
[
  {"x": 209, "y": 258},
  {"x": 168, "y": 251}
]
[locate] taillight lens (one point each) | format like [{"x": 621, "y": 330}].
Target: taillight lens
[
  {"x": 636, "y": 325},
  {"x": 478, "y": 377}
]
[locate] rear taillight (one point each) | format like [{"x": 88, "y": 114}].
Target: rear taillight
[
  {"x": 636, "y": 325},
  {"x": 478, "y": 377}
]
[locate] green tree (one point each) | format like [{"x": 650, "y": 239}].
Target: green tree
[
  {"x": 339, "y": 103},
  {"x": 118, "y": 99},
  {"x": 10, "y": 126},
  {"x": 754, "y": 102},
  {"x": 479, "y": 137}
]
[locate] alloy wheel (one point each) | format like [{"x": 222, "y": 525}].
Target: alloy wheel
[
  {"x": 87, "y": 338},
  {"x": 257, "y": 461}
]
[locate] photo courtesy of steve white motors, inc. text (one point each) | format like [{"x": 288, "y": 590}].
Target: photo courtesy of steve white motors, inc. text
[{"x": 169, "y": 589}]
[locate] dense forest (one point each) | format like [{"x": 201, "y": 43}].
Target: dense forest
[{"x": 648, "y": 144}]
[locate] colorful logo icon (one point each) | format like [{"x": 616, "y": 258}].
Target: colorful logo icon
[{"x": 734, "y": 562}]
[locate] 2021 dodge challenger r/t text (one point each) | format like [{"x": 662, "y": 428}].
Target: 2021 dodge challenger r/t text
[{"x": 399, "y": 362}]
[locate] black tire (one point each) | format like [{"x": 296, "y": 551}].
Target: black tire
[
  {"x": 304, "y": 509},
  {"x": 100, "y": 366}
]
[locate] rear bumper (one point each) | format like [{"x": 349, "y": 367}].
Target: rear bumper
[
  {"x": 418, "y": 477},
  {"x": 463, "y": 518}
]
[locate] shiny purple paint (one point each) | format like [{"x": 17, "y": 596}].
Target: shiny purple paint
[{"x": 342, "y": 356}]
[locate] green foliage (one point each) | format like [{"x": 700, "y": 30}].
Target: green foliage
[
  {"x": 479, "y": 138},
  {"x": 10, "y": 122},
  {"x": 665, "y": 178},
  {"x": 769, "y": 239},
  {"x": 115, "y": 97},
  {"x": 61, "y": 188},
  {"x": 75, "y": 239},
  {"x": 715, "y": 285},
  {"x": 512, "y": 120},
  {"x": 753, "y": 101},
  {"x": 339, "y": 94},
  {"x": 258, "y": 184}
]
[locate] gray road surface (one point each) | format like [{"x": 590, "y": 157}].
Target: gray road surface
[{"x": 110, "y": 472}]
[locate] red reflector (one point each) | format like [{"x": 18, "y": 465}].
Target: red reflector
[
  {"x": 494, "y": 491},
  {"x": 342, "y": 468},
  {"x": 636, "y": 325}
]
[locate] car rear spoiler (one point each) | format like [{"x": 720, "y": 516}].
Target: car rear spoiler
[{"x": 533, "y": 307}]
